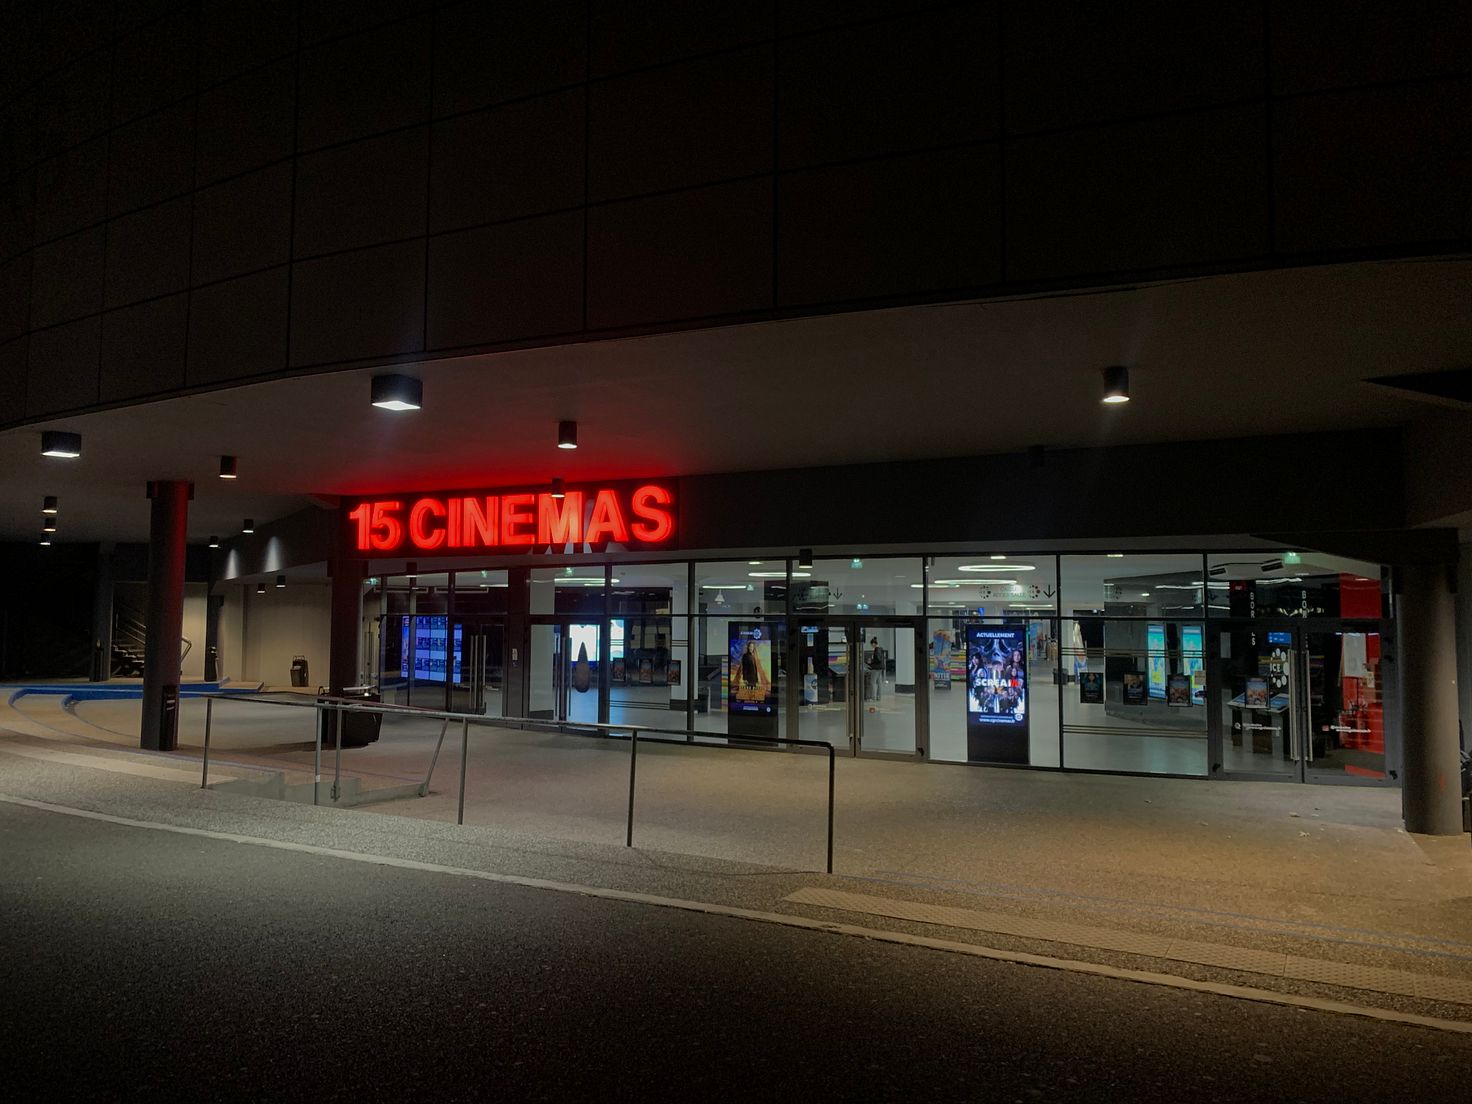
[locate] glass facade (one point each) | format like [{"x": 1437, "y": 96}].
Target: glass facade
[{"x": 1255, "y": 665}]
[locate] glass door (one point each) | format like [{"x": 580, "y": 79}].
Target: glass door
[
  {"x": 1344, "y": 707},
  {"x": 480, "y": 670},
  {"x": 859, "y": 688},
  {"x": 1301, "y": 703},
  {"x": 564, "y": 660}
]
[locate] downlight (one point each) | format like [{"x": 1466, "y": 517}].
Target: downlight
[
  {"x": 67, "y": 446},
  {"x": 1116, "y": 385},
  {"x": 395, "y": 392}
]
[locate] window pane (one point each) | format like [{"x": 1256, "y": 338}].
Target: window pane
[
  {"x": 742, "y": 676},
  {"x": 480, "y": 592},
  {"x": 1293, "y": 584},
  {"x": 748, "y": 588},
  {"x": 1133, "y": 585},
  {"x": 954, "y": 737},
  {"x": 872, "y": 585},
  {"x": 572, "y": 589},
  {"x": 1000, "y": 585},
  {"x": 1135, "y": 697}
]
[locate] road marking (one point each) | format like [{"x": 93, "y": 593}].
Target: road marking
[
  {"x": 1146, "y": 977},
  {"x": 101, "y": 760},
  {"x": 1250, "y": 960}
]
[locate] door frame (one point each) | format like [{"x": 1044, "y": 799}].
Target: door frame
[{"x": 1298, "y": 715}]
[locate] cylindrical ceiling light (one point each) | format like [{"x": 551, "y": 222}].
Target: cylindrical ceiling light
[
  {"x": 567, "y": 435},
  {"x": 558, "y": 490},
  {"x": 49, "y": 525},
  {"x": 54, "y": 442},
  {"x": 48, "y": 504},
  {"x": 805, "y": 560},
  {"x": 260, "y": 588},
  {"x": 214, "y": 542},
  {"x": 249, "y": 526},
  {"x": 280, "y": 582},
  {"x": 45, "y": 541},
  {"x": 1116, "y": 384},
  {"x": 395, "y": 392},
  {"x": 411, "y": 570},
  {"x": 229, "y": 467}
]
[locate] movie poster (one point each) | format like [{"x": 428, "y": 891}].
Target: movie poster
[
  {"x": 996, "y": 693},
  {"x": 672, "y": 673},
  {"x": 620, "y": 672},
  {"x": 1091, "y": 688},
  {"x": 1178, "y": 690},
  {"x": 942, "y": 644},
  {"x": 1256, "y": 694},
  {"x": 751, "y": 701},
  {"x": 1132, "y": 688}
]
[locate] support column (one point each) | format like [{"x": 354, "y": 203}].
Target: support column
[
  {"x": 101, "y": 668},
  {"x": 164, "y": 624},
  {"x": 1426, "y": 630},
  {"x": 346, "y": 624}
]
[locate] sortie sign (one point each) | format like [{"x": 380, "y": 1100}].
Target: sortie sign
[{"x": 630, "y": 515}]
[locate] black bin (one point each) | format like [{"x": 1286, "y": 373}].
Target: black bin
[
  {"x": 359, "y": 727},
  {"x": 298, "y": 670}
]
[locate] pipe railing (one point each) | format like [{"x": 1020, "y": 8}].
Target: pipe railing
[{"x": 635, "y": 734}]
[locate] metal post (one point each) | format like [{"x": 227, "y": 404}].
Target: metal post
[
  {"x": 464, "y": 755},
  {"x": 435, "y": 758},
  {"x": 209, "y": 704},
  {"x": 317, "y": 756},
  {"x": 633, "y": 764},
  {"x": 830, "y": 808},
  {"x": 337, "y": 751}
]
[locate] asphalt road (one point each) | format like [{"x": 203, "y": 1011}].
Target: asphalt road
[{"x": 142, "y": 964}]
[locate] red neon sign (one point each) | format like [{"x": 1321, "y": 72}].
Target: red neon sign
[{"x": 447, "y": 524}]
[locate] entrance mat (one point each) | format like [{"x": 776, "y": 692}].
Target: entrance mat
[{"x": 1247, "y": 959}]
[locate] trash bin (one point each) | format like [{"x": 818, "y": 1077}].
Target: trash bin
[
  {"x": 359, "y": 727},
  {"x": 298, "y": 670}
]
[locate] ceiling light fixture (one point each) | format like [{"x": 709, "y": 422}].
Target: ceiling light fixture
[
  {"x": 54, "y": 442},
  {"x": 805, "y": 559},
  {"x": 229, "y": 467},
  {"x": 260, "y": 588},
  {"x": 1116, "y": 384},
  {"x": 567, "y": 435},
  {"x": 558, "y": 490},
  {"x": 395, "y": 392},
  {"x": 214, "y": 542},
  {"x": 280, "y": 582},
  {"x": 48, "y": 504},
  {"x": 1271, "y": 565},
  {"x": 982, "y": 568},
  {"x": 49, "y": 525},
  {"x": 249, "y": 526},
  {"x": 45, "y": 542}
]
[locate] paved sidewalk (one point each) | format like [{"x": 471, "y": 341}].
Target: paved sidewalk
[{"x": 1268, "y": 874}]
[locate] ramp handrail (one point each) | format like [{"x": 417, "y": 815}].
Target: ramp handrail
[{"x": 635, "y": 734}]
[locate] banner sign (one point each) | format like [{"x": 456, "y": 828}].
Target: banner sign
[
  {"x": 996, "y": 693},
  {"x": 626, "y": 515}
]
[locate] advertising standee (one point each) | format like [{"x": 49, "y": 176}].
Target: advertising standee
[
  {"x": 996, "y": 694},
  {"x": 751, "y": 694}
]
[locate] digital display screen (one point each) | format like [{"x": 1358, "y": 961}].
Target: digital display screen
[
  {"x": 1155, "y": 660},
  {"x": 996, "y": 693},
  {"x": 430, "y": 658}
]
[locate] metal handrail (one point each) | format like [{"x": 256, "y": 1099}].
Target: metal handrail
[{"x": 596, "y": 730}]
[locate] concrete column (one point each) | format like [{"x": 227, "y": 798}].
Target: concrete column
[
  {"x": 1426, "y": 629},
  {"x": 168, "y": 531},
  {"x": 346, "y": 624}
]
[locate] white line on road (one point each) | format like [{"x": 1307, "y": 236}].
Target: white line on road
[{"x": 1146, "y": 977}]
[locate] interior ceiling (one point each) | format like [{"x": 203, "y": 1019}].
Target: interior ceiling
[{"x": 1227, "y": 356}]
